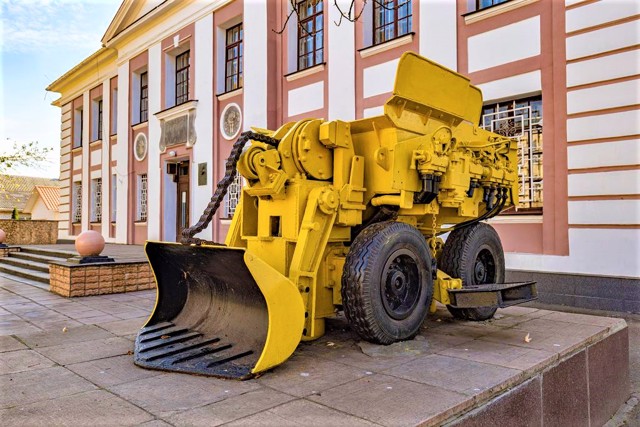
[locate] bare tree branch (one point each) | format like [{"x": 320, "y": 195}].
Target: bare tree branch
[{"x": 28, "y": 154}]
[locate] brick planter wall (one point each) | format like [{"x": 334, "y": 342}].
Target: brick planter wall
[
  {"x": 5, "y": 251},
  {"x": 30, "y": 232},
  {"x": 79, "y": 280}
]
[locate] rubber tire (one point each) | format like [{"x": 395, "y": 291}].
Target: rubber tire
[
  {"x": 362, "y": 282},
  {"x": 458, "y": 260}
]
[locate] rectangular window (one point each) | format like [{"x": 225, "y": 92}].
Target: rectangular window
[
  {"x": 100, "y": 119},
  {"x": 483, "y": 4},
  {"x": 310, "y": 33},
  {"x": 114, "y": 196},
  {"x": 77, "y": 128},
  {"x": 233, "y": 59},
  {"x": 76, "y": 209},
  {"x": 96, "y": 200},
  {"x": 141, "y": 214},
  {"x": 144, "y": 97},
  {"x": 521, "y": 119},
  {"x": 233, "y": 197},
  {"x": 182, "y": 78},
  {"x": 391, "y": 19}
]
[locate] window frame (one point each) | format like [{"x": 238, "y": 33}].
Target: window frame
[
  {"x": 228, "y": 87},
  {"x": 182, "y": 76},
  {"x": 100, "y": 122},
  {"x": 395, "y": 21},
  {"x": 144, "y": 97},
  {"x": 303, "y": 34},
  {"x": 96, "y": 200},
  {"x": 114, "y": 197},
  {"x": 533, "y": 161},
  {"x": 142, "y": 204},
  {"x": 76, "y": 208},
  {"x": 479, "y": 7},
  {"x": 78, "y": 128}
]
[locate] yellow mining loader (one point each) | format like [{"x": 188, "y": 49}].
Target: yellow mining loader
[{"x": 339, "y": 215}]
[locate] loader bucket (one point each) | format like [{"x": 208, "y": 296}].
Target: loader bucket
[{"x": 219, "y": 311}]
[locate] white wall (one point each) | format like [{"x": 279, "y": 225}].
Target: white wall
[
  {"x": 255, "y": 65},
  {"x": 121, "y": 154},
  {"x": 510, "y": 43},
  {"x": 613, "y": 212},
  {"x": 603, "y": 154},
  {"x": 600, "y": 12},
  {"x": 603, "y": 40},
  {"x": 203, "y": 148},
  {"x": 438, "y": 32},
  {"x": 609, "y": 252},
  {"x": 106, "y": 164},
  {"x": 154, "y": 169},
  {"x": 603, "y": 126},
  {"x": 511, "y": 87},
  {"x": 604, "y": 183},
  {"x": 305, "y": 98},
  {"x": 86, "y": 183},
  {"x": 602, "y": 97},
  {"x": 341, "y": 64},
  {"x": 604, "y": 68},
  {"x": 379, "y": 79}
]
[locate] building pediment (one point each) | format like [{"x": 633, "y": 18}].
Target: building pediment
[{"x": 128, "y": 14}]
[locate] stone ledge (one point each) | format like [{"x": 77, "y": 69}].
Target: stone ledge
[{"x": 80, "y": 280}]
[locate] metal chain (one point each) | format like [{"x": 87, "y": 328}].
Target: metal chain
[
  {"x": 433, "y": 242},
  {"x": 223, "y": 186}
]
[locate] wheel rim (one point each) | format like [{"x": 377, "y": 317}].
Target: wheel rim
[
  {"x": 400, "y": 284},
  {"x": 484, "y": 269}
]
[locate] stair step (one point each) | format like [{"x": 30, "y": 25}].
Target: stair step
[
  {"x": 25, "y": 272},
  {"x": 29, "y": 264},
  {"x": 26, "y": 281},
  {"x": 35, "y": 257},
  {"x": 55, "y": 253}
]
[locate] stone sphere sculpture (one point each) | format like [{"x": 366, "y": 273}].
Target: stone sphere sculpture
[
  {"x": 89, "y": 243},
  {"x": 3, "y": 236}
]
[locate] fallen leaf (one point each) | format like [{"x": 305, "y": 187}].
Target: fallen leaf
[
  {"x": 164, "y": 337},
  {"x": 527, "y": 338},
  {"x": 64, "y": 329}
]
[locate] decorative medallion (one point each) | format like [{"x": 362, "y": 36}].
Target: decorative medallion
[
  {"x": 140, "y": 147},
  {"x": 230, "y": 121}
]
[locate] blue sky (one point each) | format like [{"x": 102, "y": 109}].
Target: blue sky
[{"x": 41, "y": 40}]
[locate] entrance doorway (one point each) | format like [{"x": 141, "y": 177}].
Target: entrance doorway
[{"x": 182, "y": 199}]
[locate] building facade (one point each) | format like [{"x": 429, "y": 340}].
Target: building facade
[{"x": 149, "y": 119}]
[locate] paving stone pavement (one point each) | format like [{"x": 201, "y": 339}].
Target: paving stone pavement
[{"x": 68, "y": 362}]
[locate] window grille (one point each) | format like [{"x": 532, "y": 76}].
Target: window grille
[
  {"x": 182, "y": 78},
  {"x": 76, "y": 212},
  {"x": 233, "y": 197},
  {"x": 234, "y": 58},
  {"x": 522, "y": 120},
  {"x": 114, "y": 196},
  {"x": 391, "y": 19},
  {"x": 142, "y": 197},
  {"x": 144, "y": 97},
  {"x": 96, "y": 200},
  {"x": 100, "y": 119},
  {"x": 310, "y": 33}
]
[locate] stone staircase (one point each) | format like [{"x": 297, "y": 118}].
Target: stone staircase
[{"x": 31, "y": 265}]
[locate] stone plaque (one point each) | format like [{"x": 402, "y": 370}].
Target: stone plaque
[{"x": 178, "y": 130}]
